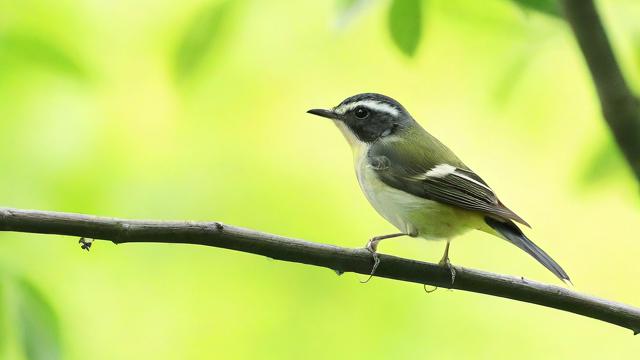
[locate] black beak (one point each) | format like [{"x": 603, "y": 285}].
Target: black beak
[{"x": 324, "y": 113}]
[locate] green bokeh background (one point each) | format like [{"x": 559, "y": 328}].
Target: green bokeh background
[{"x": 145, "y": 110}]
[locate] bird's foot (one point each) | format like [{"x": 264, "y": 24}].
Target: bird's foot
[
  {"x": 372, "y": 247},
  {"x": 446, "y": 263}
]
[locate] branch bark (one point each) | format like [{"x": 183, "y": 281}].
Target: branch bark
[
  {"x": 337, "y": 258},
  {"x": 621, "y": 109}
]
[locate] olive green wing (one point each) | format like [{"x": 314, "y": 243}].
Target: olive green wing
[{"x": 435, "y": 173}]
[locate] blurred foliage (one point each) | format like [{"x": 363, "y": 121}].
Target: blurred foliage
[
  {"x": 25, "y": 47},
  {"x": 349, "y": 9},
  {"x": 405, "y": 24},
  {"x": 28, "y": 320},
  {"x": 507, "y": 83},
  {"x": 38, "y": 323},
  {"x": 549, "y": 7},
  {"x": 4, "y": 326},
  {"x": 604, "y": 162},
  {"x": 201, "y": 38},
  {"x": 237, "y": 147},
  {"x": 636, "y": 52}
]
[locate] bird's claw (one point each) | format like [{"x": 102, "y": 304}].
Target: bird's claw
[
  {"x": 424, "y": 286},
  {"x": 446, "y": 263},
  {"x": 372, "y": 247}
]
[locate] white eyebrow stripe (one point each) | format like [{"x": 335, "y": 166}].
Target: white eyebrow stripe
[{"x": 371, "y": 104}]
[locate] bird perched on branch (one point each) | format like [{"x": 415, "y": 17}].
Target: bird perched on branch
[{"x": 418, "y": 184}]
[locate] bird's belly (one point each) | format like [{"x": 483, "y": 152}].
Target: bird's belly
[{"x": 411, "y": 214}]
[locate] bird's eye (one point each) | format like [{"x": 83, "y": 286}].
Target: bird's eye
[{"x": 361, "y": 112}]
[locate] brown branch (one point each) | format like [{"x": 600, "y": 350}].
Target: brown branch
[
  {"x": 337, "y": 258},
  {"x": 621, "y": 109}
]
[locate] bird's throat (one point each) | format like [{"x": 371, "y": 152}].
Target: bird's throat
[{"x": 357, "y": 146}]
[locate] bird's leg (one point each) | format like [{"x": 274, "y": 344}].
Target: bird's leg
[
  {"x": 372, "y": 246},
  {"x": 447, "y": 263}
]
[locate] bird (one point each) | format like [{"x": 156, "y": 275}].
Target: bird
[{"x": 418, "y": 184}]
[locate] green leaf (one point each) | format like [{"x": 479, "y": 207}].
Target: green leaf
[
  {"x": 39, "y": 50},
  {"x": 405, "y": 24},
  {"x": 37, "y": 323},
  {"x": 200, "y": 37},
  {"x": 548, "y": 7}
]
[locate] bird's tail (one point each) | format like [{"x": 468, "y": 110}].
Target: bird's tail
[{"x": 514, "y": 235}]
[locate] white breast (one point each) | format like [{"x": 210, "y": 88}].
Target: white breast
[{"x": 394, "y": 205}]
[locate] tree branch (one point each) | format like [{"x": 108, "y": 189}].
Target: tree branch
[
  {"x": 337, "y": 258},
  {"x": 621, "y": 109}
]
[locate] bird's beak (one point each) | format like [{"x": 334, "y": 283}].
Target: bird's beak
[{"x": 324, "y": 113}]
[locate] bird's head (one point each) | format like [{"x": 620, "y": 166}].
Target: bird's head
[{"x": 366, "y": 118}]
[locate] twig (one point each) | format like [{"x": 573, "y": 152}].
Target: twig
[
  {"x": 339, "y": 259},
  {"x": 621, "y": 109}
]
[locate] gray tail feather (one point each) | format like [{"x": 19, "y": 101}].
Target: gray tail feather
[{"x": 514, "y": 235}]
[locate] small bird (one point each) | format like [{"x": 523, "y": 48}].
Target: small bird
[{"x": 417, "y": 184}]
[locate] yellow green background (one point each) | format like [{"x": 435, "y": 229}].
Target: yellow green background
[{"x": 108, "y": 108}]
